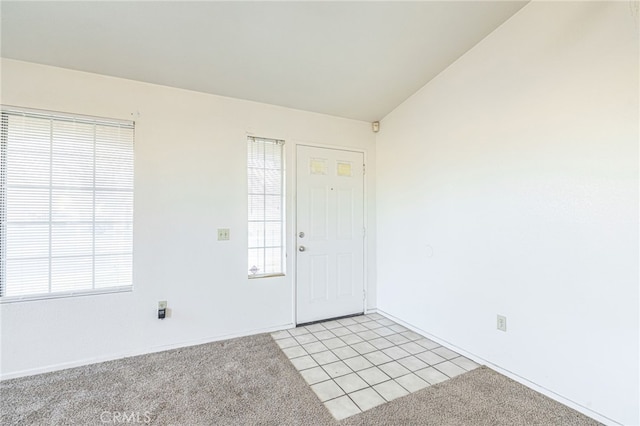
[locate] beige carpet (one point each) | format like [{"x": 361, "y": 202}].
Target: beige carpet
[{"x": 249, "y": 381}]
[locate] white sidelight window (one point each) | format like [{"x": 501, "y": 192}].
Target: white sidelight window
[
  {"x": 66, "y": 205},
  {"x": 265, "y": 164}
]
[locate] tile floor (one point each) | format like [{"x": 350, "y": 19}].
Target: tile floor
[{"x": 354, "y": 364}]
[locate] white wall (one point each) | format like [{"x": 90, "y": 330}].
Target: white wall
[
  {"x": 190, "y": 179},
  {"x": 517, "y": 168}
]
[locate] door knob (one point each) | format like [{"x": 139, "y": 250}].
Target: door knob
[{"x": 301, "y": 248}]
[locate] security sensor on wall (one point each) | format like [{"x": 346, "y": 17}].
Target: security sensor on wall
[{"x": 375, "y": 126}]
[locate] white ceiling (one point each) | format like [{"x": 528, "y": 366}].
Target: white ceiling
[{"x": 349, "y": 59}]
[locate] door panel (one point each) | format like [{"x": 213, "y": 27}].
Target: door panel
[
  {"x": 318, "y": 213},
  {"x": 330, "y": 231},
  {"x": 345, "y": 214},
  {"x": 319, "y": 276},
  {"x": 345, "y": 275}
]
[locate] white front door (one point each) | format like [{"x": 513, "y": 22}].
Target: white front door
[{"x": 330, "y": 233}]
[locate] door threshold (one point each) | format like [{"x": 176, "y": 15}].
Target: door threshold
[{"x": 329, "y": 319}]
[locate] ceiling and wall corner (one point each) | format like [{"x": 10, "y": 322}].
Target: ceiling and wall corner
[{"x": 349, "y": 59}]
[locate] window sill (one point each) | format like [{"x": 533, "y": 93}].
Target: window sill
[
  {"x": 253, "y": 277},
  {"x": 62, "y": 295}
]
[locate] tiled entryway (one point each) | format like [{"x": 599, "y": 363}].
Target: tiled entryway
[{"x": 354, "y": 364}]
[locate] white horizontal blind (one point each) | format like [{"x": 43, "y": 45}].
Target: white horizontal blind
[
  {"x": 266, "y": 216},
  {"x": 67, "y": 204}
]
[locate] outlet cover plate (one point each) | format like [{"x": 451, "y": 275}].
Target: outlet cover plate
[
  {"x": 501, "y": 323},
  {"x": 223, "y": 234},
  {"x": 162, "y": 304}
]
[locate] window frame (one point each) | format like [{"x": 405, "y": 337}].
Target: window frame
[
  {"x": 283, "y": 261},
  {"x": 54, "y": 116}
]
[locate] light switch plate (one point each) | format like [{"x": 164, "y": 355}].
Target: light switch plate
[{"x": 223, "y": 234}]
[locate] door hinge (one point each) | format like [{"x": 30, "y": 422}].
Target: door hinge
[
  {"x": 364, "y": 295},
  {"x": 364, "y": 168}
]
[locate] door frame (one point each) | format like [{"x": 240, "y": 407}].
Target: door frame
[{"x": 293, "y": 224}]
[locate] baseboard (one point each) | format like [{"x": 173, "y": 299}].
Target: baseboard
[
  {"x": 154, "y": 349},
  {"x": 522, "y": 380}
]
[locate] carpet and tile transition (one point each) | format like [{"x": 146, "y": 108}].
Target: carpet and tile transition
[{"x": 248, "y": 381}]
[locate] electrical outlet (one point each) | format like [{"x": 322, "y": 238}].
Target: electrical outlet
[
  {"x": 162, "y": 309},
  {"x": 223, "y": 234},
  {"x": 502, "y": 323}
]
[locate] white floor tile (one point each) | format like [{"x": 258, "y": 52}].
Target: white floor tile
[
  {"x": 445, "y": 353},
  {"x": 373, "y": 375},
  {"x": 325, "y": 357},
  {"x": 327, "y": 390},
  {"x": 412, "y": 383},
  {"x": 396, "y": 353},
  {"x": 397, "y": 339},
  {"x": 347, "y": 321},
  {"x": 304, "y": 362},
  {"x": 411, "y": 335},
  {"x": 336, "y": 342},
  {"x": 390, "y": 390},
  {"x": 413, "y": 363},
  {"x": 465, "y": 363},
  {"x": 354, "y": 364},
  {"x": 372, "y": 325},
  {"x": 356, "y": 328},
  {"x": 298, "y": 331},
  {"x": 427, "y": 344},
  {"x": 384, "y": 331},
  {"x": 314, "y": 375},
  {"x": 381, "y": 343},
  {"x": 377, "y": 357},
  {"x": 337, "y": 369},
  {"x": 431, "y": 375},
  {"x": 314, "y": 348},
  {"x": 394, "y": 369},
  {"x": 368, "y": 335},
  {"x": 358, "y": 363},
  {"x": 413, "y": 348},
  {"x": 450, "y": 369},
  {"x": 341, "y": 408},
  {"x": 351, "y": 382},
  {"x": 340, "y": 331},
  {"x": 331, "y": 325},
  {"x": 315, "y": 327},
  {"x": 367, "y": 398},
  {"x": 364, "y": 347},
  {"x": 430, "y": 358},
  {"x": 352, "y": 339},
  {"x": 280, "y": 335},
  {"x": 323, "y": 335},
  {"x": 345, "y": 352},
  {"x": 287, "y": 342},
  {"x": 303, "y": 339},
  {"x": 294, "y": 351}
]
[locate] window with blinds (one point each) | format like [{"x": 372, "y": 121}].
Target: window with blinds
[
  {"x": 66, "y": 210},
  {"x": 266, "y": 206}
]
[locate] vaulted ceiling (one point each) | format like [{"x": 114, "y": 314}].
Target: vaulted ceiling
[{"x": 349, "y": 59}]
